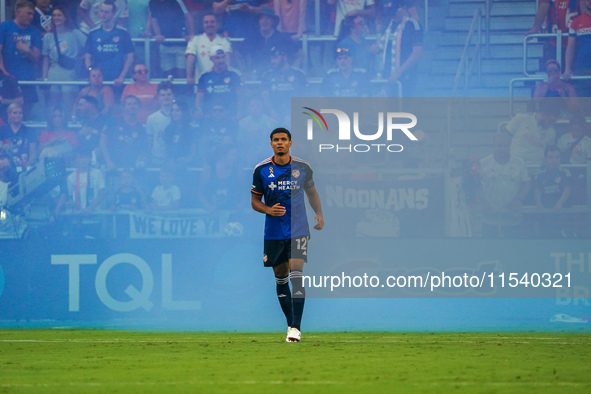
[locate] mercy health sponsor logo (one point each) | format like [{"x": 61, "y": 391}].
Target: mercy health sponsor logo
[
  {"x": 390, "y": 122},
  {"x": 138, "y": 298}
]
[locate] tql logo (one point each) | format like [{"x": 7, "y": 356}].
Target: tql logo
[{"x": 392, "y": 120}]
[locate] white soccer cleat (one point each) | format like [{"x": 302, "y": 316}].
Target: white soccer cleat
[
  {"x": 293, "y": 335},
  {"x": 287, "y": 336}
]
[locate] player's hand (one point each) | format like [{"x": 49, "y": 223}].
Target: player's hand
[
  {"x": 277, "y": 210},
  {"x": 319, "y": 222}
]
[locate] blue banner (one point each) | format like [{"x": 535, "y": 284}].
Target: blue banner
[{"x": 220, "y": 284}]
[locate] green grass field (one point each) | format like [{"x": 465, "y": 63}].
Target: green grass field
[{"x": 122, "y": 362}]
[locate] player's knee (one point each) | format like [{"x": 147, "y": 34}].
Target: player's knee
[
  {"x": 296, "y": 264},
  {"x": 281, "y": 270}
]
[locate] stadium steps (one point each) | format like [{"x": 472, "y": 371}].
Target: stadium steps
[{"x": 502, "y": 61}]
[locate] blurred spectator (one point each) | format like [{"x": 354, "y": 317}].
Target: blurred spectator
[
  {"x": 253, "y": 132},
  {"x": 158, "y": 121},
  {"x": 198, "y": 49},
  {"x": 558, "y": 15},
  {"x": 93, "y": 125},
  {"x": 218, "y": 134},
  {"x": 17, "y": 139},
  {"x": 219, "y": 86},
  {"x": 552, "y": 188},
  {"x": 533, "y": 132},
  {"x": 259, "y": 45},
  {"x": 143, "y": 90},
  {"x": 555, "y": 87},
  {"x": 575, "y": 148},
  {"x": 402, "y": 46},
  {"x": 166, "y": 23},
  {"x": 180, "y": 136},
  {"x": 346, "y": 81},
  {"x": 57, "y": 138},
  {"x": 505, "y": 184},
  {"x": 109, "y": 47},
  {"x": 575, "y": 145},
  {"x": 127, "y": 197},
  {"x": 217, "y": 183},
  {"x": 167, "y": 195},
  {"x": 351, "y": 8},
  {"x": 59, "y": 64},
  {"x": 10, "y": 93},
  {"x": 90, "y": 13},
  {"x": 86, "y": 185},
  {"x": 97, "y": 89},
  {"x": 43, "y": 14},
  {"x": 139, "y": 22},
  {"x": 292, "y": 16},
  {"x": 10, "y": 226},
  {"x": 240, "y": 18},
  {"x": 281, "y": 83},
  {"x": 198, "y": 8},
  {"x": 352, "y": 36},
  {"x": 70, "y": 8},
  {"x": 20, "y": 49},
  {"x": 8, "y": 176},
  {"x": 578, "y": 52},
  {"x": 124, "y": 141}
]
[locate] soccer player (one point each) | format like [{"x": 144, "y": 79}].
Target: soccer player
[{"x": 282, "y": 180}]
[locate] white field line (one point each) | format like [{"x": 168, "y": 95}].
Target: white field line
[
  {"x": 176, "y": 383},
  {"x": 280, "y": 382},
  {"x": 273, "y": 339}
]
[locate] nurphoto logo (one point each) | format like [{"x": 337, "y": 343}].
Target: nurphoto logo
[{"x": 394, "y": 121}]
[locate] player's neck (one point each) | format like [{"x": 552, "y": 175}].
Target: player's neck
[{"x": 282, "y": 160}]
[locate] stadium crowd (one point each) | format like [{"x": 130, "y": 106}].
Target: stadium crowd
[{"x": 113, "y": 134}]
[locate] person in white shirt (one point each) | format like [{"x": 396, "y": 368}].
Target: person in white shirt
[
  {"x": 166, "y": 195},
  {"x": 199, "y": 47},
  {"x": 532, "y": 133}
]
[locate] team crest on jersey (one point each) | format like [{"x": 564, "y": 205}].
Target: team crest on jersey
[
  {"x": 227, "y": 80},
  {"x": 116, "y": 39},
  {"x": 295, "y": 173},
  {"x": 271, "y": 175}
]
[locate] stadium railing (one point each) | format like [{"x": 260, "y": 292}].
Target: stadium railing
[
  {"x": 147, "y": 43},
  {"x": 558, "y": 35},
  {"x": 465, "y": 65}
]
